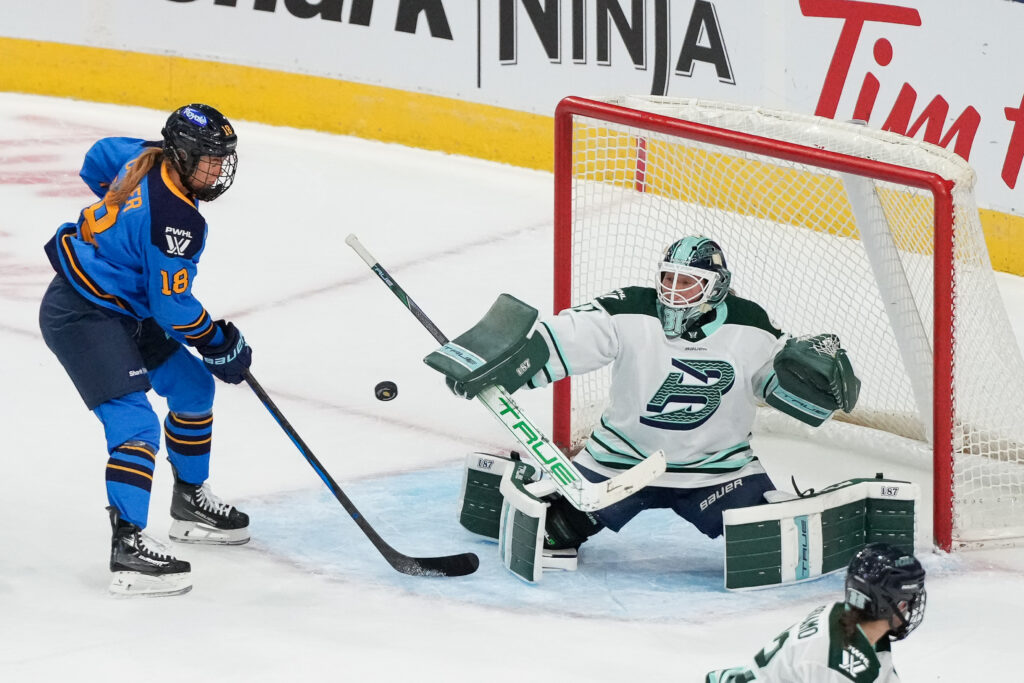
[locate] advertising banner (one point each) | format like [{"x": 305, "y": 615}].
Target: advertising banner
[{"x": 945, "y": 71}]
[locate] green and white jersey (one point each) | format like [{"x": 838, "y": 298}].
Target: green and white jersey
[
  {"x": 694, "y": 397},
  {"x": 814, "y": 651}
]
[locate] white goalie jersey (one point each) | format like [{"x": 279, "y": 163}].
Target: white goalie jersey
[
  {"x": 694, "y": 397},
  {"x": 816, "y": 651}
]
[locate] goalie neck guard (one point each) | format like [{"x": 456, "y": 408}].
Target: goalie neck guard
[
  {"x": 692, "y": 280},
  {"x": 883, "y": 582}
]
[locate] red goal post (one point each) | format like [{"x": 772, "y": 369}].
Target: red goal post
[{"x": 832, "y": 227}]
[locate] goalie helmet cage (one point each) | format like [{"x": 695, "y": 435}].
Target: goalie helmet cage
[{"x": 832, "y": 227}]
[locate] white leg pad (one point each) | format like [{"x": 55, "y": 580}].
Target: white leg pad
[
  {"x": 523, "y": 513},
  {"x": 796, "y": 540}
]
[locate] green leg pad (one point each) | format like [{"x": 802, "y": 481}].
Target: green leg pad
[
  {"x": 842, "y": 535},
  {"x": 814, "y": 535},
  {"x": 892, "y": 522},
  {"x": 753, "y": 556},
  {"x": 521, "y": 552},
  {"x": 481, "y": 503}
]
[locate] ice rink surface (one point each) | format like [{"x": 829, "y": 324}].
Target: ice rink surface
[{"x": 309, "y": 598}]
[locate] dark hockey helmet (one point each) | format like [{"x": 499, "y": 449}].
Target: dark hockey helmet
[
  {"x": 196, "y": 131},
  {"x": 883, "y": 582},
  {"x": 693, "y": 278}
]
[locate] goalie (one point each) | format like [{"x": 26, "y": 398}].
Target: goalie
[{"x": 690, "y": 361}]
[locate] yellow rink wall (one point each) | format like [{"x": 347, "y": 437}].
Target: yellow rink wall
[
  {"x": 278, "y": 98},
  {"x": 325, "y": 104}
]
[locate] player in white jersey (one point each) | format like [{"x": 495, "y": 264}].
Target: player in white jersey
[
  {"x": 691, "y": 361},
  {"x": 846, "y": 641}
]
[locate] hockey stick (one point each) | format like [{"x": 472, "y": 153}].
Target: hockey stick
[
  {"x": 449, "y": 565},
  {"x": 583, "y": 494}
]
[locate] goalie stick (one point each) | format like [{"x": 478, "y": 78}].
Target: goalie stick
[
  {"x": 583, "y": 494},
  {"x": 449, "y": 565}
]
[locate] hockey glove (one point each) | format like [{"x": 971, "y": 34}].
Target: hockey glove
[
  {"x": 817, "y": 369},
  {"x": 494, "y": 352},
  {"x": 230, "y": 359}
]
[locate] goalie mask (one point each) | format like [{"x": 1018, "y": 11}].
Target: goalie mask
[
  {"x": 200, "y": 144},
  {"x": 692, "y": 280},
  {"x": 886, "y": 583}
]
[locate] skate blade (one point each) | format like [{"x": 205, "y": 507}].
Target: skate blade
[
  {"x": 138, "y": 585},
  {"x": 566, "y": 560},
  {"x": 184, "y": 531}
]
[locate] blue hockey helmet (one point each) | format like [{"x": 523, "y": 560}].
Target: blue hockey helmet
[
  {"x": 884, "y": 582},
  {"x": 200, "y": 143},
  {"x": 692, "y": 280}
]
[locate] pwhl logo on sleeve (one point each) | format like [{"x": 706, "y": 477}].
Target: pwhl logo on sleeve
[{"x": 177, "y": 240}]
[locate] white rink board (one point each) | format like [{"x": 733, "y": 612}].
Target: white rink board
[{"x": 948, "y": 57}]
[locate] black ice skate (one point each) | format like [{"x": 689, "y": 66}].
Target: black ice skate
[
  {"x": 201, "y": 517},
  {"x": 140, "y": 565}
]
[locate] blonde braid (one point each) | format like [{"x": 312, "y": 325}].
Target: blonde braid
[{"x": 137, "y": 169}]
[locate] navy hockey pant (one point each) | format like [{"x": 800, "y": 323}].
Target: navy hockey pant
[
  {"x": 113, "y": 360},
  {"x": 702, "y": 507}
]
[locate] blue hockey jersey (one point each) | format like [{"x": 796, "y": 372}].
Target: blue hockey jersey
[{"x": 139, "y": 258}]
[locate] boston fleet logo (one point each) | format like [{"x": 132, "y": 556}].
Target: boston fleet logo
[
  {"x": 194, "y": 116},
  {"x": 695, "y": 393}
]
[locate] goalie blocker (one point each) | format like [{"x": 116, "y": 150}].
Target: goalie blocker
[
  {"x": 497, "y": 351},
  {"x": 817, "y": 533},
  {"x": 496, "y": 357}
]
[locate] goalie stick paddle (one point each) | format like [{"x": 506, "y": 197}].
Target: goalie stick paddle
[
  {"x": 449, "y": 565},
  {"x": 584, "y": 495}
]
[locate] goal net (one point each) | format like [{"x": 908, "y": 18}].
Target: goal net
[{"x": 832, "y": 227}]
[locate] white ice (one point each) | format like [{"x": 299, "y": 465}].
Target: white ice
[{"x": 309, "y": 597}]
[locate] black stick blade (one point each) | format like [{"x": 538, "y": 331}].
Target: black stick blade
[{"x": 449, "y": 565}]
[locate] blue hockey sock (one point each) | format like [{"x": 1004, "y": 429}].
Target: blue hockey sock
[
  {"x": 188, "y": 439},
  {"x": 129, "y": 477}
]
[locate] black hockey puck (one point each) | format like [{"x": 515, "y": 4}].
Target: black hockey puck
[{"x": 385, "y": 391}]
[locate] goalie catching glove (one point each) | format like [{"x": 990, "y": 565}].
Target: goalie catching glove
[
  {"x": 812, "y": 378},
  {"x": 494, "y": 352}
]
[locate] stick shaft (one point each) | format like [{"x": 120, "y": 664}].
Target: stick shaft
[
  {"x": 583, "y": 494},
  {"x": 386, "y": 278},
  {"x": 451, "y": 565}
]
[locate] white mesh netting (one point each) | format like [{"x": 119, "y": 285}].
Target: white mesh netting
[{"x": 796, "y": 243}]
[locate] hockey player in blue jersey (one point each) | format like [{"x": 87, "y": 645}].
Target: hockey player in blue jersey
[{"x": 120, "y": 315}]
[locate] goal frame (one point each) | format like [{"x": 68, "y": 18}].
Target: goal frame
[{"x": 943, "y": 295}]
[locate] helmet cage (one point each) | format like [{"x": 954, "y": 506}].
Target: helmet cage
[
  {"x": 207, "y": 184},
  {"x": 692, "y": 276},
  {"x": 702, "y": 260}
]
